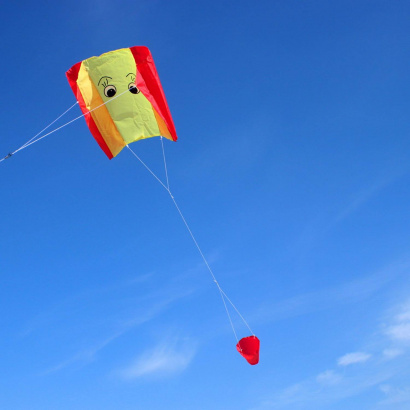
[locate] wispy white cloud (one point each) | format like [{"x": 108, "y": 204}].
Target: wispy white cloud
[
  {"x": 383, "y": 365},
  {"x": 353, "y": 358},
  {"x": 405, "y": 315},
  {"x": 84, "y": 356},
  {"x": 317, "y": 228},
  {"x": 88, "y": 354},
  {"x": 395, "y": 396},
  {"x": 349, "y": 292},
  {"x": 167, "y": 358},
  {"x": 132, "y": 305},
  {"x": 73, "y": 303},
  {"x": 329, "y": 377},
  {"x": 364, "y": 196},
  {"x": 399, "y": 329},
  {"x": 400, "y": 332},
  {"x": 392, "y": 353},
  {"x": 322, "y": 391}
]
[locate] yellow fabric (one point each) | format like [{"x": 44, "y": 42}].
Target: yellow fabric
[
  {"x": 132, "y": 114},
  {"x": 101, "y": 116}
]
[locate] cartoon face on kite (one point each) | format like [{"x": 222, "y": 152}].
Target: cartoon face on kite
[
  {"x": 110, "y": 90},
  {"x": 122, "y": 98}
]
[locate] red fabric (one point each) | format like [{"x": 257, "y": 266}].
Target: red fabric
[
  {"x": 248, "y": 347},
  {"x": 149, "y": 84},
  {"x": 72, "y": 76}
]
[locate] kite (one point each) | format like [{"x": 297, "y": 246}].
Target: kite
[
  {"x": 122, "y": 101},
  {"x": 141, "y": 112}
]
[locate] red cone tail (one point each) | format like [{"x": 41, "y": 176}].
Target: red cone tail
[{"x": 248, "y": 347}]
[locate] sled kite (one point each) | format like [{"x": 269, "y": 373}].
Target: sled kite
[{"x": 125, "y": 87}]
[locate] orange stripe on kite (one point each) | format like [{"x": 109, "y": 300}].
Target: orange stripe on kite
[{"x": 72, "y": 76}]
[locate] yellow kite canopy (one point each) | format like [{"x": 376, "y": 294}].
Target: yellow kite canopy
[{"x": 114, "y": 116}]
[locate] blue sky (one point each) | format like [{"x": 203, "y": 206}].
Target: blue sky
[{"x": 292, "y": 170}]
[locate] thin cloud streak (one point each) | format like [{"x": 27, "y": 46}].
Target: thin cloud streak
[
  {"x": 395, "y": 396},
  {"x": 329, "y": 377},
  {"x": 392, "y": 353},
  {"x": 399, "y": 330},
  {"x": 167, "y": 358},
  {"x": 87, "y": 355},
  {"x": 353, "y": 358},
  {"x": 360, "y": 374},
  {"x": 348, "y": 292},
  {"x": 73, "y": 302},
  {"x": 362, "y": 197}
]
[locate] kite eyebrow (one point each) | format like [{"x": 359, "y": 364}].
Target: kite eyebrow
[
  {"x": 105, "y": 76},
  {"x": 130, "y": 74}
]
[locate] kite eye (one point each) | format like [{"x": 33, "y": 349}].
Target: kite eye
[
  {"x": 110, "y": 91},
  {"x": 132, "y": 88}
]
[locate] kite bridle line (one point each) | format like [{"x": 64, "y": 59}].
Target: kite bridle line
[
  {"x": 32, "y": 140},
  {"x": 221, "y": 292}
]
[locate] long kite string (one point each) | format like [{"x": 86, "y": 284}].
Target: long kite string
[
  {"x": 33, "y": 140},
  {"x": 222, "y": 293}
]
